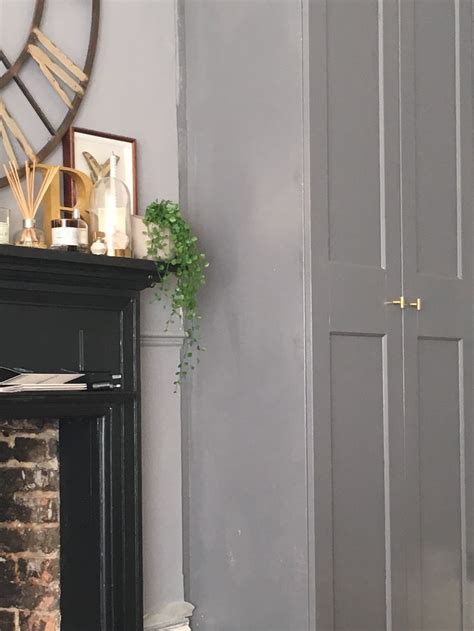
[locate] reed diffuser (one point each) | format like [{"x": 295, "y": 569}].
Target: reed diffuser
[{"x": 29, "y": 202}]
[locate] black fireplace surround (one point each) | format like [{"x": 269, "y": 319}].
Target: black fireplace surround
[{"x": 81, "y": 313}]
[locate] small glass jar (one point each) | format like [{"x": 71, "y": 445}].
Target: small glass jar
[
  {"x": 99, "y": 244},
  {"x": 4, "y": 226},
  {"x": 70, "y": 234},
  {"x": 30, "y": 236}
]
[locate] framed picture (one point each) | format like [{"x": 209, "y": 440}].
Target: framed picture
[{"x": 90, "y": 151}]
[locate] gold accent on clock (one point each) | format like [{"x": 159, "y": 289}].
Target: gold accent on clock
[
  {"x": 67, "y": 80},
  {"x": 7, "y": 144},
  {"x": 10, "y": 124},
  {"x": 60, "y": 56},
  {"x": 49, "y": 66}
]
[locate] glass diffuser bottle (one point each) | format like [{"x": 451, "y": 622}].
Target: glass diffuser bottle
[
  {"x": 30, "y": 236},
  {"x": 29, "y": 200},
  {"x": 110, "y": 209}
]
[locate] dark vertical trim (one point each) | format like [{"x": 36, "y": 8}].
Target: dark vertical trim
[
  {"x": 137, "y": 469},
  {"x": 80, "y": 524},
  {"x": 308, "y": 311},
  {"x": 81, "y": 350}
]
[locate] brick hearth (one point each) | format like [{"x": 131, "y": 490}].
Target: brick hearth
[{"x": 29, "y": 526}]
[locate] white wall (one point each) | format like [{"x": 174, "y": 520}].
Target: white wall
[{"x": 132, "y": 92}]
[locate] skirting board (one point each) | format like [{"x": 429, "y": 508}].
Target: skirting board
[
  {"x": 180, "y": 627},
  {"x": 172, "y": 617},
  {"x": 162, "y": 340}
]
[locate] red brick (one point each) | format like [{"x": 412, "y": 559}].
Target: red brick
[
  {"x": 14, "y": 479},
  {"x": 7, "y": 620},
  {"x": 39, "y": 621},
  {"x": 27, "y": 426},
  {"x": 40, "y": 571},
  {"x": 29, "y": 509},
  {"x": 6, "y": 452},
  {"x": 30, "y": 449},
  {"x": 7, "y": 570},
  {"x": 9, "y": 590},
  {"x": 23, "y": 539},
  {"x": 53, "y": 447}
]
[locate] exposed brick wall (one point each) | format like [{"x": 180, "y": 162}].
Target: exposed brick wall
[{"x": 29, "y": 526}]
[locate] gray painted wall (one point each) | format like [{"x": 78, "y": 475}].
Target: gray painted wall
[
  {"x": 133, "y": 85},
  {"x": 245, "y": 414}
]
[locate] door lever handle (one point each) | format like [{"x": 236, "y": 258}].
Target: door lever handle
[
  {"x": 401, "y": 302},
  {"x": 416, "y": 304}
]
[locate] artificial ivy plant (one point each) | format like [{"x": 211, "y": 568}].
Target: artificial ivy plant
[{"x": 173, "y": 246}]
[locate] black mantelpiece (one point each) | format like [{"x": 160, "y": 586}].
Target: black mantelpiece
[
  {"x": 54, "y": 267},
  {"x": 80, "y": 312}
]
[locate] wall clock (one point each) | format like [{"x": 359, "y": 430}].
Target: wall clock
[{"x": 41, "y": 83}]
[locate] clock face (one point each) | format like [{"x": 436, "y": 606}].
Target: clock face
[{"x": 47, "y": 49}]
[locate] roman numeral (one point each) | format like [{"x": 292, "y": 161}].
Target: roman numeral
[
  {"x": 57, "y": 67},
  {"x": 9, "y": 124}
]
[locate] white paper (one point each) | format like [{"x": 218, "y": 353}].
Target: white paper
[{"x": 49, "y": 379}]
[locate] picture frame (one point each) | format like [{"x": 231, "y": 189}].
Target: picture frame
[{"x": 89, "y": 150}]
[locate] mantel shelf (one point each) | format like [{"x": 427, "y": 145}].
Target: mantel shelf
[{"x": 34, "y": 265}]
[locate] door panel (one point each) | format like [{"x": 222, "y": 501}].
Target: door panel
[
  {"x": 435, "y": 136},
  {"x": 439, "y": 371},
  {"x": 436, "y": 218},
  {"x": 357, "y": 412},
  {"x": 353, "y": 94},
  {"x": 358, "y": 448}
]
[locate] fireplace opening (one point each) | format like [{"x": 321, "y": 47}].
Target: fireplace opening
[{"x": 51, "y": 525}]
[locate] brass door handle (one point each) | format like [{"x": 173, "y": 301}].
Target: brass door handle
[
  {"x": 416, "y": 304},
  {"x": 400, "y": 302}
]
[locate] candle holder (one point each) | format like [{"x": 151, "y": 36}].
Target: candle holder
[
  {"x": 110, "y": 212},
  {"x": 4, "y": 226}
]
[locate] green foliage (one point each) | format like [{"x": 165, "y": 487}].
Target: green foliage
[{"x": 166, "y": 227}]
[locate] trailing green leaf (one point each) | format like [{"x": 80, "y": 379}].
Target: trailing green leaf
[{"x": 187, "y": 263}]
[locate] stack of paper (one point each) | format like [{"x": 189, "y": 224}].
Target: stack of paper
[{"x": 40, "y": 382}]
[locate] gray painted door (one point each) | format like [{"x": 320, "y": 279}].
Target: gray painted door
[
  {"x": 437, "y": 265},
  {"x": 356, "y": 269},
  {"x": 390, "y": 169}
]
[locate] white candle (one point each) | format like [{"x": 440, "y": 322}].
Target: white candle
[{"x": 4, "y": 225}]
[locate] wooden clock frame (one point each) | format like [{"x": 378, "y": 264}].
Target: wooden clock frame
[{"x": 13, "y": 70}]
